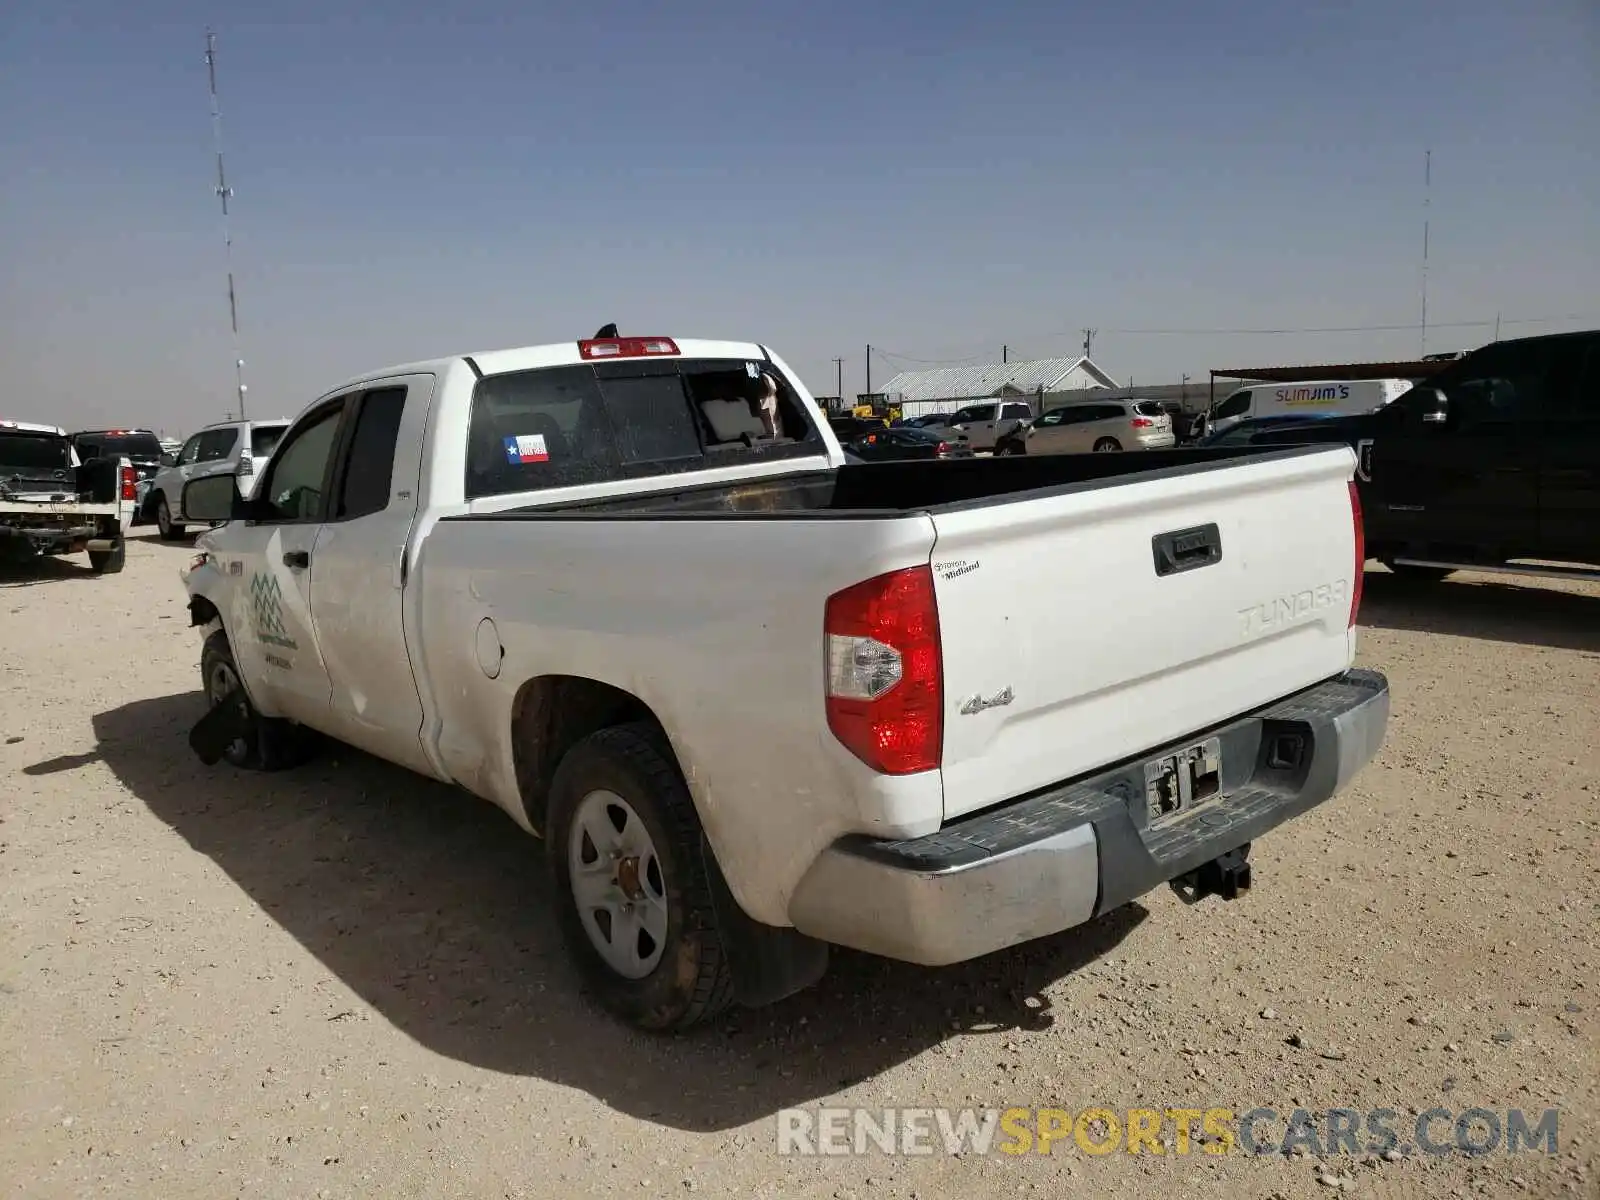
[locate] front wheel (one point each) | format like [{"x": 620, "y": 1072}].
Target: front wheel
[
  {"x": 1107, "y": 445},
  {"x": 264, "y": 743},
  {"x": 625, "y": 853},
  {"x": 169, "y": 531}
]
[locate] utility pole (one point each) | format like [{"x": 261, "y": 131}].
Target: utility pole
[
  {"x": 1497, "y": 327},
  {"x": 1004, "y": 352},
  {"x": 869, "y": 368},
  {"x": 1088, "y": 341},
  {"x": 1427, "y": 202},
  {"x": 223, "y": 193}
]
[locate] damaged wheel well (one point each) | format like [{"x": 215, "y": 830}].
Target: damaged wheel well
[
  {"x": 202, "y": 611},
  {"x": 553, "y": 713}
]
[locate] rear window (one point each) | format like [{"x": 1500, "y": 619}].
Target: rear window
[
  {"x": 133, "y": 445},
  {"x": 1149, "y": 408},
  {"x": 264, "y": 439},
  {"x": 590, "y": 423},
  {"x": 33, "y": 451}
]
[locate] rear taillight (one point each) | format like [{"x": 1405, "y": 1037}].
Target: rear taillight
[
  {"x": 1361, "y": 552},
  {"x": 247, "y": 466},
  {"x": 130, "y": 484},
  {"x": 885, "y": 682},
  {"x": 944, "y": 448},
  {"x": 1143, "y": 423}
]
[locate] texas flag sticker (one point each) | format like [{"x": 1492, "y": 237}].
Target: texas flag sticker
[{"x": 526, "y": 448}]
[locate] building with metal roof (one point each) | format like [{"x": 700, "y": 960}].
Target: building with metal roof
[{"x": 954, "y": 386}]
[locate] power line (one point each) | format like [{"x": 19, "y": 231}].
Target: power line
[
  {"x": 1355, "y": 328},
  {"x": 936, "y": 362},
  {"x": 224, "y": 193}
]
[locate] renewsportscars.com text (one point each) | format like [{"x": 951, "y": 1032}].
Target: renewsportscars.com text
[{"x": 1181, "y": 1131}]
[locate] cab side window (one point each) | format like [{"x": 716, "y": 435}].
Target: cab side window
[
  {"x": 190, "y": 451},
  {"x": 1500, "y": 385},
  {"x": 369, "y": 464},
  {"x": 293, "y": 492},
  {"x": 1573, "y": 387},
  {"x": 1054, "y": 417}
]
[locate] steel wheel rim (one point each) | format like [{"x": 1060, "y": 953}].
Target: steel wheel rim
[
  {"x": 223, "y": 680},
  {"x": 1105, "y": 447},
  {"x": 618, "y": 884}
]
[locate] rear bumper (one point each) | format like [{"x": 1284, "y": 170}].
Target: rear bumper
[{"x": 1058, "y": 858}]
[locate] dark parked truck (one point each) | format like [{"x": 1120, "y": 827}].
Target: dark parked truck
[
  {"x": 759, "y": 700},
  {"x": 53, "y": 503},
  {"x": 1492, "y": 464}
]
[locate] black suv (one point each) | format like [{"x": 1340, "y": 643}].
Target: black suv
[{"x": 1493, "y": 460}]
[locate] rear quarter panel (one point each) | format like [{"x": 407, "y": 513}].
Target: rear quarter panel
[{"x": 716, "y": 625}]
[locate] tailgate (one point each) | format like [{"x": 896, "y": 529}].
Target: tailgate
[{"x": 1067, "y": 647}]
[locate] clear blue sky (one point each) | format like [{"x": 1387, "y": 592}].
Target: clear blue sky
[{"x": 937, "y": 179}]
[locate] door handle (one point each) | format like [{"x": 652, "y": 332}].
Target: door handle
[{"x": 297, "y": 560}]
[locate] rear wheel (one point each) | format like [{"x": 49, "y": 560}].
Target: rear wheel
[
  {"x": 169, "y": 531},
  {"x": 1107, "y": 445},
  {"x": 625, "y": 853},
  {"x": 109, "y": 562}
]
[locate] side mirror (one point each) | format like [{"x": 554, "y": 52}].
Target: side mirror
[
  {"x": 214, "y": 498},
  {"x": 1436, "y": 410},
  {"x": 168, "y": 459}
]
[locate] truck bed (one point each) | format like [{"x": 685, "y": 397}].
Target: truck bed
[
  {"x": 1089, "y": 605},
  {"x": 886, "y": 488}
]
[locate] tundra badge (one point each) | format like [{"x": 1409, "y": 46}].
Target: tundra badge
[{"x": 978, "y": 703}]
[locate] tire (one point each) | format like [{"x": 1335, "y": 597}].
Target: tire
[
  {"x": 268, "y": 744},
  {"x": 1415, "y": 574},
  {"x": 108, "y": 562},
  {"x": 1009, "y": 448},
  {"x": 1107, "y": 445},
  {"x": 677, "y": 974},
  {"x": 169, "y": 531}
]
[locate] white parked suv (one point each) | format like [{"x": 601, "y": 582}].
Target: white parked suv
[{"x": 226, "y": 448}]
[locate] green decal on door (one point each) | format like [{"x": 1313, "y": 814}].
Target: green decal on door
[{"x": 266, "y": 611}]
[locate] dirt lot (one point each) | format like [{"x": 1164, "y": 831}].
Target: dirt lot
[{"x": 340, "y": 981}]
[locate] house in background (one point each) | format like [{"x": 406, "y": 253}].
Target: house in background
[{"x": 919, "y": 393}]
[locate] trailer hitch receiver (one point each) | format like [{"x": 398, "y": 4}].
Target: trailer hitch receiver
[{"x": 1226, "y": 875}]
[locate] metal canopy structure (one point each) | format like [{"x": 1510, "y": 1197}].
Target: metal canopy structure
[{"x": 1415, "y": 369}]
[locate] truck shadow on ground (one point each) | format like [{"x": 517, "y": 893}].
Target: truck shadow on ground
[
  {"x": 49, "y": 569},
  {"x": 432, "y": 907},
  {"x": 1523, "y": 612}
]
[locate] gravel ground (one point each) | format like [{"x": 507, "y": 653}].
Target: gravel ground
[{"x": 340, "y": 981}]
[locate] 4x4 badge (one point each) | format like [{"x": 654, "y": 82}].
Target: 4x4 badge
[{"x": 978, "y": 703}]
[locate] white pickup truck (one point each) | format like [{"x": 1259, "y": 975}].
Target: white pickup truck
[
  {"x": 759, "y": 700},
  {"x": 51, "y": 503}
]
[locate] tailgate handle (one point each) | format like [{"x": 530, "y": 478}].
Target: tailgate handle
[{"x": 1186, "y": 549}]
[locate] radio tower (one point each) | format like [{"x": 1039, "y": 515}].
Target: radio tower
[
  {"x": 1427, "y": 204},
  {"x": 224, "y": 192}
]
